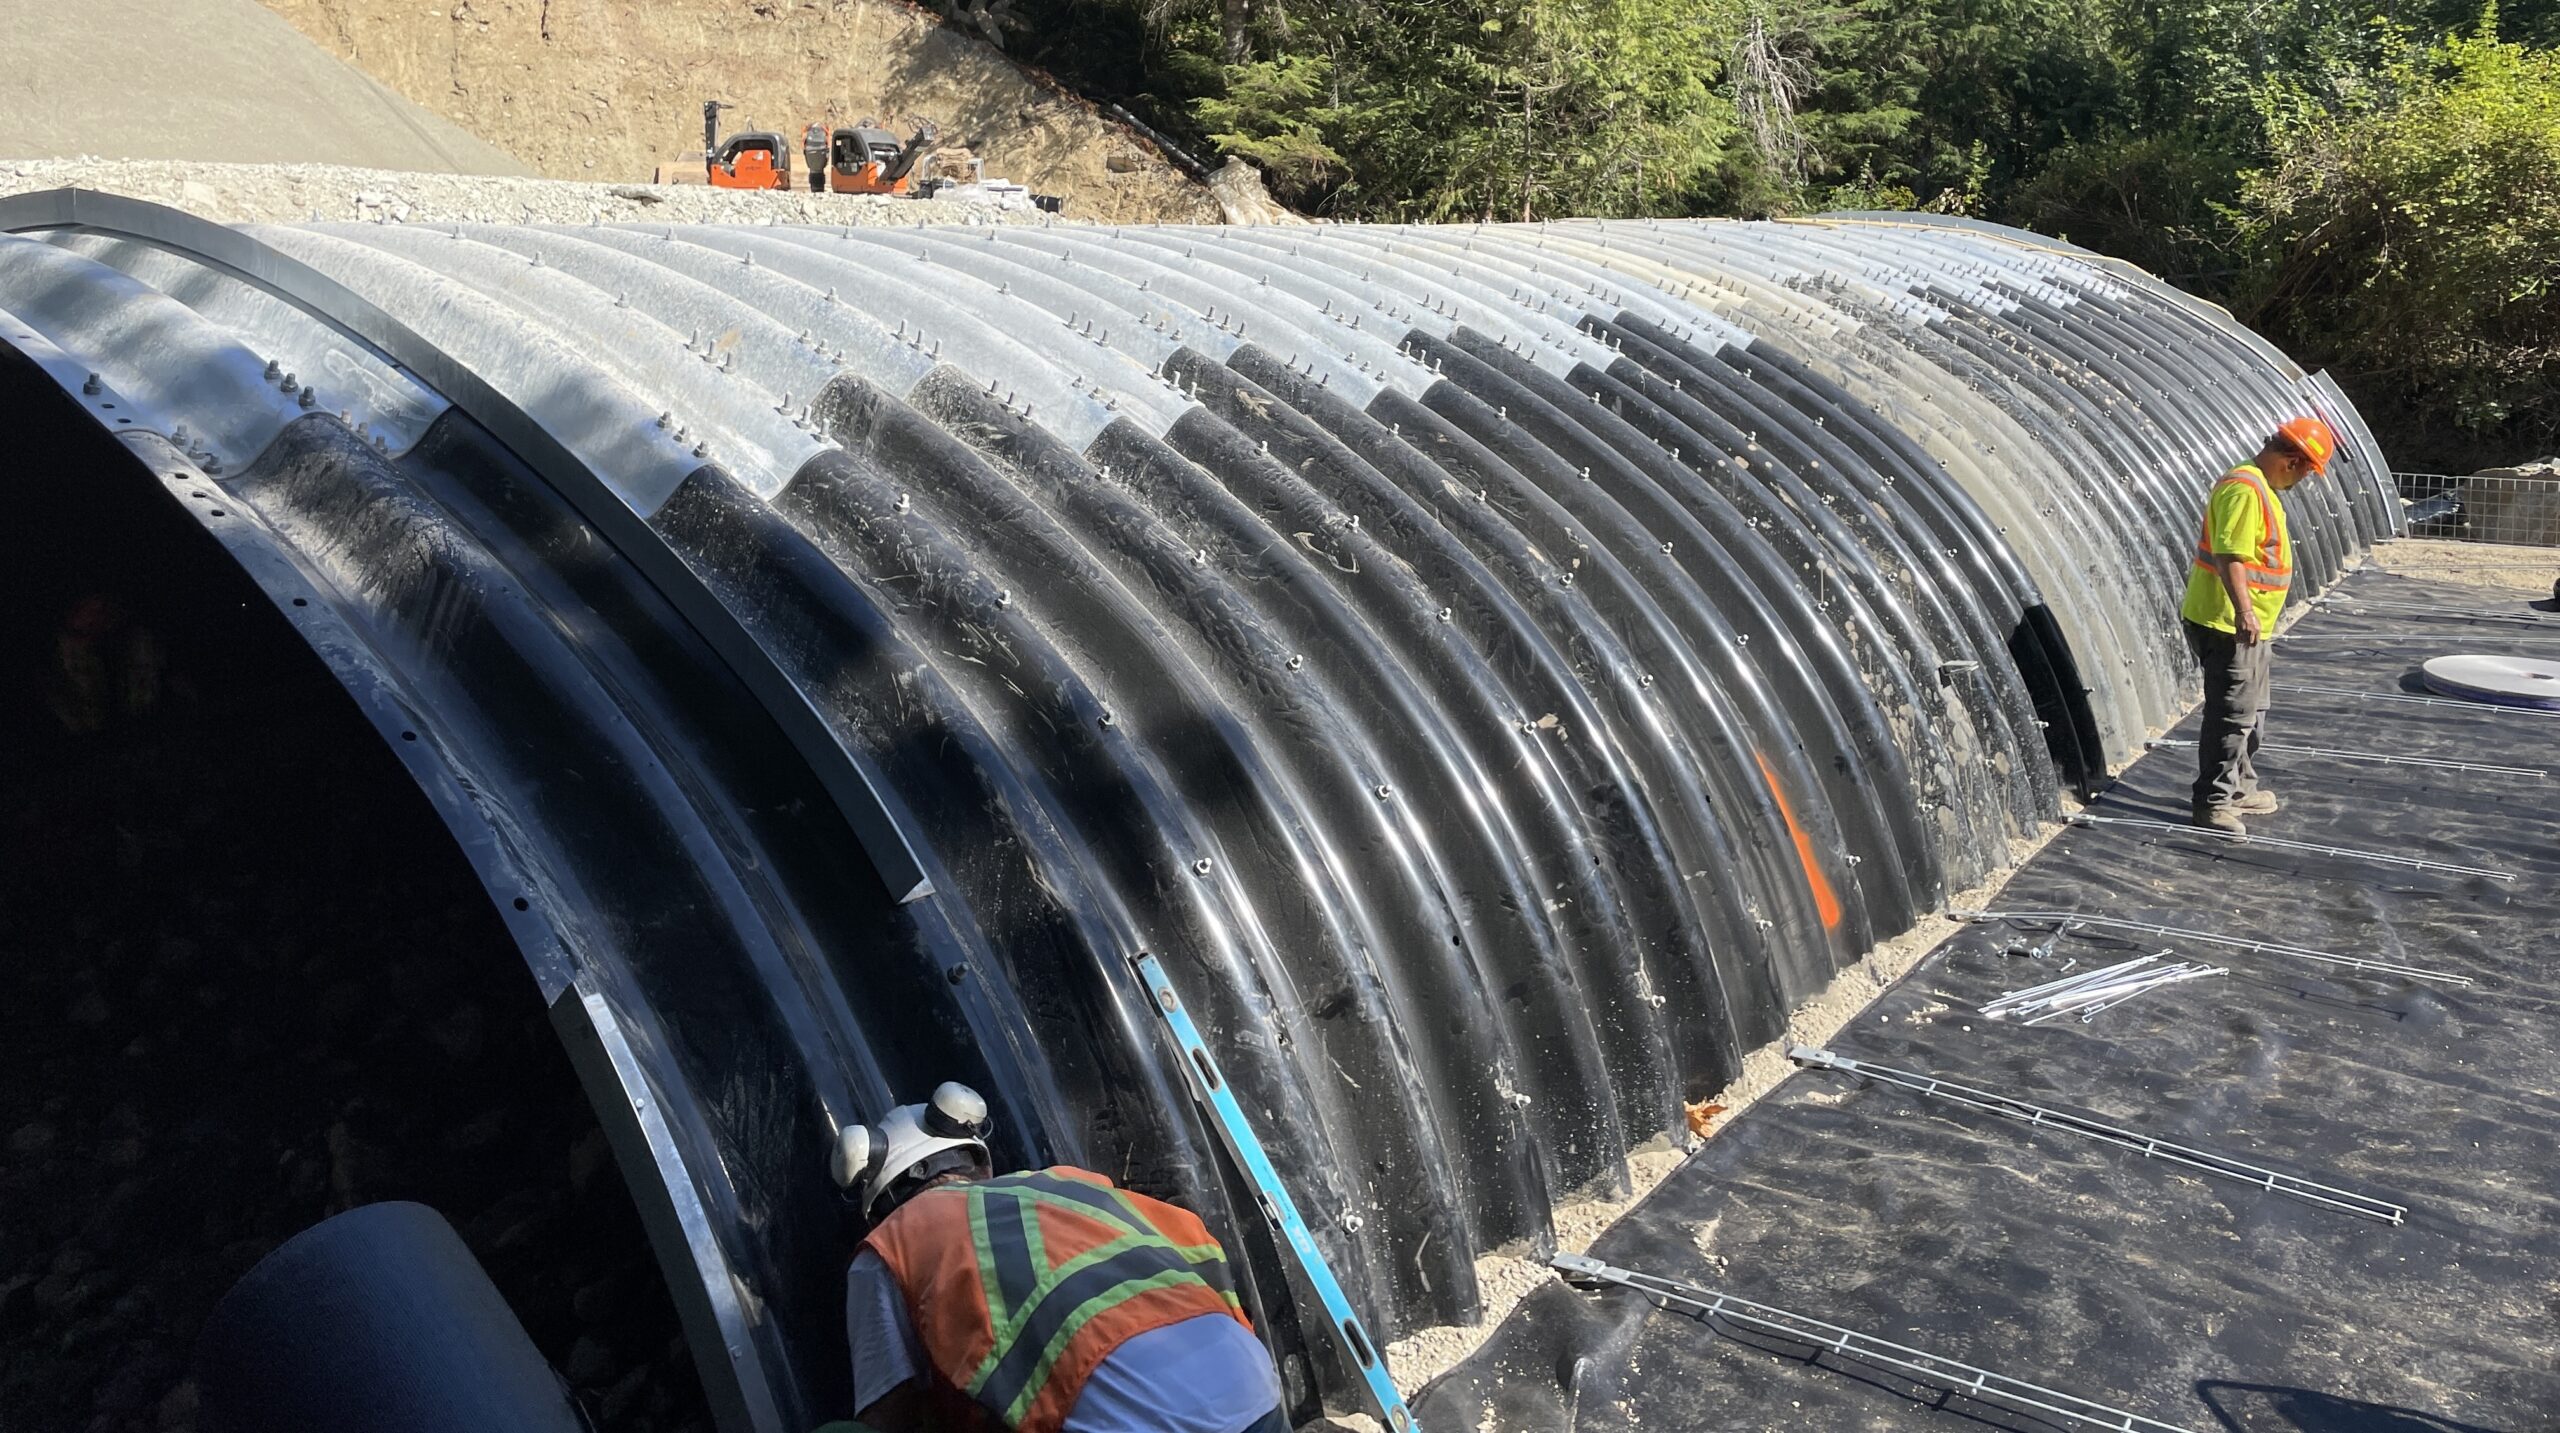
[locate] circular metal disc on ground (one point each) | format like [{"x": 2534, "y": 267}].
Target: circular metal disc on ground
[{"x": 2507, "y": 681}]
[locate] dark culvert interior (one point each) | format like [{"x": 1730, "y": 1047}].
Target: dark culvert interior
[{"x": 247, "y": 981}]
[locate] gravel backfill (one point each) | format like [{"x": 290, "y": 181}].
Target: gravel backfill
[{"x": 296, "y": 193}]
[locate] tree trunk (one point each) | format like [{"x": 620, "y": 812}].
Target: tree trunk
[
  {"x": 1239, "y": 44},
  {"x": 1528, "y": 152}
]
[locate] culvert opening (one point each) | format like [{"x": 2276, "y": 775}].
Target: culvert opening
[{"x": 248, "y": 981}]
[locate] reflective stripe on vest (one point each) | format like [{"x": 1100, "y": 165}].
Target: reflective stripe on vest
[
  {"x": 1038, "y": 1310},
  {"x": 1010, "y": 1252},
  {"x": 2273, "y": 570},
  {"x": 1022, "y": 1284},
  {"x": 1037, "y": 1331}
]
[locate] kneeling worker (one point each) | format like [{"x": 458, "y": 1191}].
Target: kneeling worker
[
  {"x": 1049, "y": 1301},
  {"x": 2235, "y": 591}
]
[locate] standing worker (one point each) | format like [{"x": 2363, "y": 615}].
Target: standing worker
[
  {"x": 1049, "y": 1301},
  {"x": 2243, "y": 564}
]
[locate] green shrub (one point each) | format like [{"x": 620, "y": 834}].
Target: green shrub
[{"x": 2412, "y": 239}]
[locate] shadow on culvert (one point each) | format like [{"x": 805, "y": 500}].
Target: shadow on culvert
[
  {"x": 2272, "y": 1408},
  {"x": 246, "y": 982}
]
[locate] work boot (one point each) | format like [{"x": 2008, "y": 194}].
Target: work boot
[
  {"x": 2222, "y": 816},
  {"x": 2261, "y": 802}
]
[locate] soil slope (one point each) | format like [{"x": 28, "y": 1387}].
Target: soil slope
[
  {"x": 211, "y": 80},
  {"x": 608, "y": 89}
]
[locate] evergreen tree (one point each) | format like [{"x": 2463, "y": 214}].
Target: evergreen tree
[{"x": 2369, "y": 178}]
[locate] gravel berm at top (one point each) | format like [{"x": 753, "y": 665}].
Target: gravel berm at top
[
  {"x": 298, "y": 193},
  {"x": 206, "y": 80},
  {"x": 2198, "y": 1301}
]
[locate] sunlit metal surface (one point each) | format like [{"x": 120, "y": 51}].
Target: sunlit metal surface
[{"x": 1499, "y": 670}]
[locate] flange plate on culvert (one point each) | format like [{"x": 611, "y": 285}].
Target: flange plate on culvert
[{"x": 2507, "y": 681}]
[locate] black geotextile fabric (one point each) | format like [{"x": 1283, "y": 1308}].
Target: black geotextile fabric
[{"x": 2184, "y": 1297}]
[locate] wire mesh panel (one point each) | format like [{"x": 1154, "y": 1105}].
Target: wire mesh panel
[{"x": 2520, "y": 506}]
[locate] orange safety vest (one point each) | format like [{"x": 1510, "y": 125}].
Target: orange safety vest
[
  {"x": 1020, "y": 1286},
  {"x": 2272, "y": 571}
]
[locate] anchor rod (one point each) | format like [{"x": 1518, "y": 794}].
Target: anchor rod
[
  {"x": 2261, "y": 947},
  {"x": 2083, "y": 818}
]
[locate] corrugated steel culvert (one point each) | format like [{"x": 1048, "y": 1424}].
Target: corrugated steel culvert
[{"x": 1499, "y": 670}]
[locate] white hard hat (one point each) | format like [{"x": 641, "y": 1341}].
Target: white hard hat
[{"x": 917, "y": 1142}]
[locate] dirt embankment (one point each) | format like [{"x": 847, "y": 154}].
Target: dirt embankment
[
  {"x": 206, "y": 80},
  {"x": 607, "y": 89}
]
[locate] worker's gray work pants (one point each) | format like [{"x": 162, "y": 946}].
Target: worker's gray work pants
[{"x": 2236, "y": 693}]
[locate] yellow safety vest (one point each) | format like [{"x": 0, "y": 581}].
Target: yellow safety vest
[{"x": 2266, "y": 556}]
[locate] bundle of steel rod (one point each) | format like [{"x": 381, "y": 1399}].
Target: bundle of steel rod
[{"x": 2091, "y": 992}]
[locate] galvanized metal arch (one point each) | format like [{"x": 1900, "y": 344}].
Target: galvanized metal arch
[{"x": 1498, "y": 670}]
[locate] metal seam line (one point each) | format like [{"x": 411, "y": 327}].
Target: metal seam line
[
  {"x": 1956, "y": 1377},
  {"x": 2083, "y": 818},
  {"x": 594, "y": 1034},
  {"x": 2535, "y": 773},
  {"x": 2478, "y": 708},
  {"x": 2149, "y": 1147},
  {"x": 1209, "y": 1087},
  {"x": 2262, "y": 947},
  {"x": 2348, "y": 606},
  {"x": 2375, "y": 641}
]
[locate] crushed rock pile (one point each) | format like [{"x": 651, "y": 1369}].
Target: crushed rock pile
[
  {"x": 2539, "y": 470},
  {"x": 297, "y": 193},
  {"x": 2518, "y": 505}
]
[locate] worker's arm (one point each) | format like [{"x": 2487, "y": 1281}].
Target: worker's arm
[
  {"x": 888, "y": 1364},
  {"x": 2244, "y": 612},
  {"x": 901, "y": 1410}
]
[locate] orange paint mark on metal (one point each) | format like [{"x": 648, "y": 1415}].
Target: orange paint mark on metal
[{"x": 1825, "y": 899}]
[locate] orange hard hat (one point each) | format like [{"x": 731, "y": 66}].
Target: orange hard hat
[{"x": 2311, "y": 438}]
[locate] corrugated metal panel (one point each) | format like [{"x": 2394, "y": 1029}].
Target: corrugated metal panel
[{"x": 1499, "y": 670}]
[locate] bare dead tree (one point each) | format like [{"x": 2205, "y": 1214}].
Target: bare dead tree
[
  {"x": 1769, "y": 81},
  {"x": 989, "y": 20}
]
